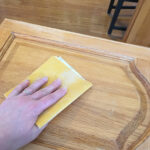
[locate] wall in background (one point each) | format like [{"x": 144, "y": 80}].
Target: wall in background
[{"x": 139, "y": 30}]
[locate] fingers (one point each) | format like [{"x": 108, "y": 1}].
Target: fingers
[
  {"x": 35, "y": 86},
  {"x": 49, "y": 100},
  {"x": 47, "y": 90},
  {"x": 19, "y": 88}
]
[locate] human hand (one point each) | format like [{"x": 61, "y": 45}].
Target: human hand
[{"x": 19, "y": 112}]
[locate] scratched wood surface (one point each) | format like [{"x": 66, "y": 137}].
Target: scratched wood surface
[{"x": 113, "y": 115}]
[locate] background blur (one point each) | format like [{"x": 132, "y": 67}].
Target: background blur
[{"x": 83, "y": 16}]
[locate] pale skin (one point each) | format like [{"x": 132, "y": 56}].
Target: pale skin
[{"x": 19, "y": 112}]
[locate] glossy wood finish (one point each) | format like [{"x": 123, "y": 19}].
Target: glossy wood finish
[
  {"x": 114, "y": 114},
  {"x": 87, "y": 17}
]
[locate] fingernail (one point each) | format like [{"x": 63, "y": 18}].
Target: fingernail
[{"x": 26, "y": 81}]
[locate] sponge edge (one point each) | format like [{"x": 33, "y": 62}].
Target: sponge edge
[{"x": 53, "y": 68}]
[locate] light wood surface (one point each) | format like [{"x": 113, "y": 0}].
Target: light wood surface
[
  {"x": 113, "y": 115},
  {"x": 131, "y": 24},
  {"x": 138, "y": 31}
]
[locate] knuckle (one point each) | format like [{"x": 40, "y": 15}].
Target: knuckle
[
  {"x": 33, "y": 86},
  {"x": 28, "y": 91},
  {"x": 34, "y": 110},
  {"x": 44, "y": 91},
  {"x": 32, "y": 106}
]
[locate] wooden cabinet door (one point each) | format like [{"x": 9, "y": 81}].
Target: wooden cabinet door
[{"x": 113, "y": 115}]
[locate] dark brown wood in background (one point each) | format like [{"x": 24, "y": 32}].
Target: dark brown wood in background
[{"x": 87, "y": 17}]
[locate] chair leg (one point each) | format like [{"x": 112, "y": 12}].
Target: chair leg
[
  {"x": 115, "y": 16},
  {"x": 110, "y": 6}
]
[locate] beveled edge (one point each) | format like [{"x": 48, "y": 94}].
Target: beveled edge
[{"x": 130, "y": 60}]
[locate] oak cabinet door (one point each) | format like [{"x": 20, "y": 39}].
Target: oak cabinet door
[{"x": 113, "y": 115}]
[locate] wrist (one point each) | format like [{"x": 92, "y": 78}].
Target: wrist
[{"x": 4, "y": 141}]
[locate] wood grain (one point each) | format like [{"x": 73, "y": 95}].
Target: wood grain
[
  {"x": 34, "y": 147},
  {"x": 114, "y": 114},
  {"x": 131, "y": 24},
  {"x": 138, "y": 32},
  {"x": 22, "y": 47},
  {"x": 87, "y": 17}
]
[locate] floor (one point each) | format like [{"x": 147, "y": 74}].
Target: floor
[{"x": 82, "y": 16}]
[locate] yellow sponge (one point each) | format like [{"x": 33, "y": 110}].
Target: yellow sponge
[{"x": 54, "y": 68}]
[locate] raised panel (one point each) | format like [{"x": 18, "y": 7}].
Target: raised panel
[{"x": 114, "y": 114}]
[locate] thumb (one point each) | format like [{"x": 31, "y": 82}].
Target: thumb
[{"x": 36, "y": 131}]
